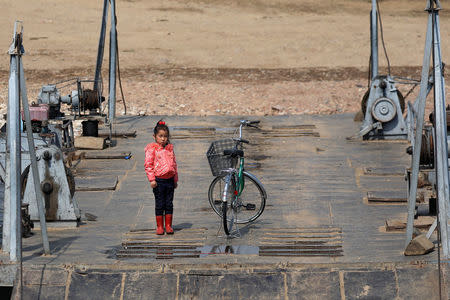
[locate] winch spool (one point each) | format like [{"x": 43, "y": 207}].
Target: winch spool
[{"x": 90, "y": 99}]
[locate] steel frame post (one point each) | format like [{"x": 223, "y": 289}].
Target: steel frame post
[
  {"x": 112, "y": 57},
  {"x": 14, "y": 143},
  {"x": 13, "y": 140},
  {"x": 113, "y": 64},
  {"x": 15, "y": 151},
  {"x": 374, "y": 40}
]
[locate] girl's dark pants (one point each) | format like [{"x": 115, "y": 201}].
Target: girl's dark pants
[{"x": 164, "y": 196}]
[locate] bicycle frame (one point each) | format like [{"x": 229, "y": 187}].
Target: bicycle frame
[
  {"x": 240, "y": 181},
  {"x": 240, "y": 178}
]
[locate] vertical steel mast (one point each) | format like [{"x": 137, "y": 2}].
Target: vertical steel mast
[
  {"x": 374, "y": 40},
  {"x": 112, "y": 64},
  {"x": 112, "y": 57},
  {"x": 13, "y": 144}
]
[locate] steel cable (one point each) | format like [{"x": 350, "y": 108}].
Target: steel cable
[
  {"x": 382, "y": 39},
  {"x": 118, "y": 65}
]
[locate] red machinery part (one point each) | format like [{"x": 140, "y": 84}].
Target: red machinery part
[{"x": 38, "y": 112}]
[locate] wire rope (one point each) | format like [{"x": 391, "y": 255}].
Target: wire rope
[
  {"x": 382, "y": 39},
  {"x": 118, "y": 65}
]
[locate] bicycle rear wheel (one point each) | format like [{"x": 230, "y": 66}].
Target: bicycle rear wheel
[
  {"x": 251, "y": 202},
  {"x": 248, "y": 206}
]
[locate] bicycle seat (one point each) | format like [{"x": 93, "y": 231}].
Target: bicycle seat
[{"x": 233, "y": 152}]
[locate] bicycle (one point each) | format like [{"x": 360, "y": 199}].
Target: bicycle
[{"x": 235, "y": 195}]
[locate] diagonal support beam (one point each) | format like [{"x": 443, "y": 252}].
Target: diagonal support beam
[
  {"x": 421, "y": 99},
  {"x": 34, "y": 168}
]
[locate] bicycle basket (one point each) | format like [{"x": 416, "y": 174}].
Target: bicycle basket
[{"x": 218, "y": 161}]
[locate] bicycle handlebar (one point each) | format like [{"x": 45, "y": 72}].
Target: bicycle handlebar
[
  {"x": 250, "y": 123},
  {"x": 241, "y": 140},
  {"x": 246, "y": 123}
]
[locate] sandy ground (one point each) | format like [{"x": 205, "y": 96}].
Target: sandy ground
[{"x": 254, "y": 57}]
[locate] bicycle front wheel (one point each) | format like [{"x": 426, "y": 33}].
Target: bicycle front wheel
[
  {"x": 228, "y": 217},
  {"x": 248, "y": 206},
  {"x": 221, "y": 197}
]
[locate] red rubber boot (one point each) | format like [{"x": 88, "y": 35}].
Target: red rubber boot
[
  {"x": 159, "y": 225},
  {"x": 169, "y": 229}
]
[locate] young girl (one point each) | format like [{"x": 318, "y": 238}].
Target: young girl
[{"x": 161, "y": 169}]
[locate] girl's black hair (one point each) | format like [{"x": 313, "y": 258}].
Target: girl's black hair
[{"x": 161, "y": 125}]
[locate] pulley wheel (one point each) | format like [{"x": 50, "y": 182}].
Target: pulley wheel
[
  {"x": 365, "y": 98},
  {"x": 384, "y": 109}
]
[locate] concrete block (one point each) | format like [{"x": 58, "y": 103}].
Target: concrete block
[
  {"x": 139, "y": 285},
  {"x": 253, "y": 286},
  {"x": 370, "y": 285},
  {"x": 43, "y": 292},
  {"x": 419, "y": 245},
  {"x": 313, "y": 285},
  {"x": 232, "y": 286},
  {"x": 95, "y": 286},
  {"x": 198, "y": 287},
  {"x": 418, "y": 282},
  {"x": 44, "y": 276},
  {"x": 90, "y": 142}
]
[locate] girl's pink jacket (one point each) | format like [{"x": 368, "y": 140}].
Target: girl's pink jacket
[{"x": 160, "y": 162}]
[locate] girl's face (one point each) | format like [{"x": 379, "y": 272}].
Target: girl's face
[{"x": 161, "y": 137}]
